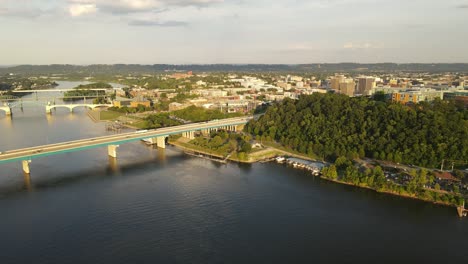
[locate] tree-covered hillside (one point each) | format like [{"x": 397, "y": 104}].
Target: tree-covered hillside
[
  {"x": 331, "y": 125},
  {"x": 99, "y": 69}
]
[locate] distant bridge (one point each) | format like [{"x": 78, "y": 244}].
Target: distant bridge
[
  {"x": 8, "y": 99},
  {"x": 7, "y": 107},
  {"x": 112, "y": 142},
  {"x": 59, "y": 90},
  {"x": 73, "y": 106}
]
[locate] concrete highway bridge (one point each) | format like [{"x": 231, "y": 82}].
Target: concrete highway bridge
[
  {"x": 112, "y": 142},
  {"x": 7, "y": 107}
]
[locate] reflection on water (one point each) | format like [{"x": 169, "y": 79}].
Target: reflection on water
[
  {"x": 161, "y": 156},
  {"x": 167, "y": 207},
  {"x": 27, "y": 182},
  {"x": 6, "y": 122},
  {"x": 113, "y": 166},
  {"x": 50, "y": 119}
]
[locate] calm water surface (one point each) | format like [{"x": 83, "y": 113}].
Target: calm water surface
[{"x": 161, "y": 206}]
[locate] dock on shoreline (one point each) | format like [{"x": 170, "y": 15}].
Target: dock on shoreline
[{"x": 205, "y": 156}]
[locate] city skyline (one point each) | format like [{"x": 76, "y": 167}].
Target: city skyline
[{"x": 232, "y": 31}]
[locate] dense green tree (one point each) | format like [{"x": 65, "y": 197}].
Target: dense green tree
[
  {"x": 333, "y": 125},
  {"x": 342, "y": 163},
  {"x": 198, "y": 114},
  {"x": 160, "y": 120},
  {"x": 330, "y": 172}
]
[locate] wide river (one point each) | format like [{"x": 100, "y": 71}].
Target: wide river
[{"x": 162, "y": 206}]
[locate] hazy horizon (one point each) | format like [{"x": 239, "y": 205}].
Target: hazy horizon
[
  {"x": 185, "y": 32},
  {"x": 233, "y": 64}
]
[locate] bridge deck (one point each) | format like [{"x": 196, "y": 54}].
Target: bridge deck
[{"x": 77, "y": 145}]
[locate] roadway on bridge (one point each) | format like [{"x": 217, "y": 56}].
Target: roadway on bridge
[{"x": 76, "y": 145}]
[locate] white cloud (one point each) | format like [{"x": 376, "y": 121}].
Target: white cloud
[
  {"x": 127, "y": 6},
  {"x": 79, "y": 8},
  {"x": 362, "y": 45}
]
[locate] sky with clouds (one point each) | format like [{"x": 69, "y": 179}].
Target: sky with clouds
[{"x": 232, "y": 31}]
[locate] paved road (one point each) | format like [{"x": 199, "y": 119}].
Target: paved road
[{"x": 76, "y": 145}]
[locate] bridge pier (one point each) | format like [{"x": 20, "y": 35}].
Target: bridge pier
[
  {"x": 112, "y": 150},
  {"x": 189, "y": 134},
  {"x": 161, "y": 142},
  {"x": 25, "y": 164},
  {"x": 205, "y": 132},
  {"x": 27, "y": 181}
]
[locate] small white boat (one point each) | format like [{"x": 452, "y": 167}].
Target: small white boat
[{"x": 280, "y": 159}]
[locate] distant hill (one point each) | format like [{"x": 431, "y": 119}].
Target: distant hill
[{"x": 98, "y": 69}]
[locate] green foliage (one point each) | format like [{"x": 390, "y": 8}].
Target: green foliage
[
  {"x": 380, "y": 96},
  {"x": 94, "y": 85},
  {"x": 224, "y": 143},
  {"x": 160, "y": 120},
  {"x": 335, "y": 125},
  {"x": 342, "y": 163},
  {"x": 100, "y": 100},
  {"x": 375, "y": 179},
  {"x": 19, "y": 82},
  {"x": 330, "y": 172},
  {"x": 182, "y": 97},
  {"x": 131, "y": 110},
  {"x": 459, "y": 174},
  {"x": 199, "y": 114}
]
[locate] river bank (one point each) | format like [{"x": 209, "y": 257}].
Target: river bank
[
  {"x": 413, "y": 197},
  {"x": 269, "y": 153},
  {"x": 266, "y": 154}
]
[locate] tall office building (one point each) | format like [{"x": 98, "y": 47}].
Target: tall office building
[
  {"x": 347, "y": 87},
  {"x": 365, "y": 85},
  {"x": 335, "y": 82}
]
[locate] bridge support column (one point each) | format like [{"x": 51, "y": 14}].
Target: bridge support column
[
  {"x": 189, "y": 135},
  {"x": 161, "y": 142},
  {"x": 26, "y": 166},
  {"x": 112, "y": 150}
]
